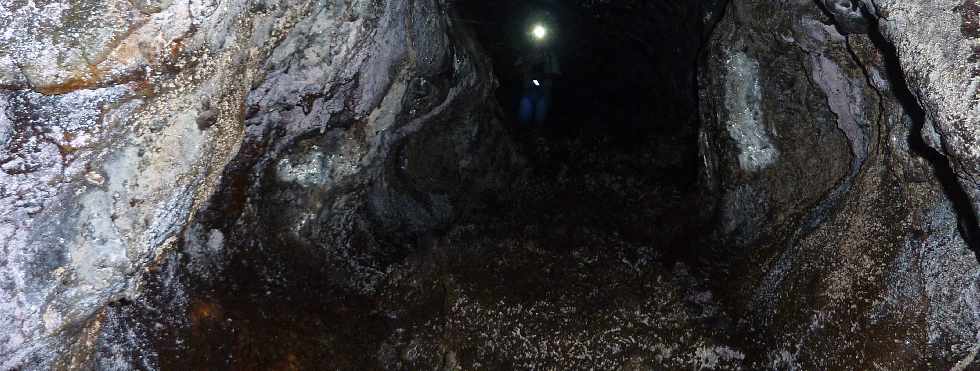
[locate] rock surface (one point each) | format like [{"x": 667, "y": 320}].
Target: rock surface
[
  {"x": 939, "y": 52},
  {"x": 127, "y": 126},
  {"x": 329, "y": 184},
  {"x": 810, "y": 141},
  {"x": 103, "y": 163}
]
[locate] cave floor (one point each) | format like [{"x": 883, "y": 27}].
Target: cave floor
[{"x": 579, "y": 266}]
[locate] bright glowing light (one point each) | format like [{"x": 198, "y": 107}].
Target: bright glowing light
[
  {"x": 539, "y": 32},
  {"x": 536, "y": 83}
]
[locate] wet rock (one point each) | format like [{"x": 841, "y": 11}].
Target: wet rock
[
  {"x": 101, "y": 88},
  {"x": 329, "y": 184},
  {"x": 313, "y": 142},
  {"x": 781, "y": 159},
  {"x": 850, "y": 15},
  {"x": 937, "y": 48},
  {"x": 828, "y": 293}
]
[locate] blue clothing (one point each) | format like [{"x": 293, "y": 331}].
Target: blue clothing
[
  {"x": 539, "y": 70},
  {"x": 539, "y": 66},
  {"x": 535, "y": 103}
]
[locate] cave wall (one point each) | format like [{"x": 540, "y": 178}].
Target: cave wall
[
  {"x": 813, "y": 176},
  {"x": 166, "y": 163},
  {"x": 936, "y": 43},
  {"x": 104, "y": 158},
  {"x": 147, "y": 143}
]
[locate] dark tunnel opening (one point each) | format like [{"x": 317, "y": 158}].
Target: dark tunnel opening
[
  {"x": 624, "y": 104},
  {"x": 626, "y": 69}
]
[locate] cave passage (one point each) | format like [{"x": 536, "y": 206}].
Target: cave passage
[
  {"x": 608, "y": 178},
  {"x": 623, "y": 67},
  {"x": 488, "y": 185},
  {"x": 622, "y": 107}
]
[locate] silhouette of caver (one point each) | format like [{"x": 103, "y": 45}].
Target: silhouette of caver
[{"x": 539, "y": 67}]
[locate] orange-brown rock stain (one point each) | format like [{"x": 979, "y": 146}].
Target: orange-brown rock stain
[{"x": 203, "y": 311}]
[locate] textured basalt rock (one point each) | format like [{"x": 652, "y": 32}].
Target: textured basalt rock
[
  {"x": 103, "y": 161},
  {"x": 328, "y": 184},
  {"x": 807, "y": 142},
  {"x": 136, "y": 137},
  {"x": 937, "y": 46}
]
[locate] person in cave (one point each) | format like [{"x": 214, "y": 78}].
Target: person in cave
[{"x": 539, "y": 66}]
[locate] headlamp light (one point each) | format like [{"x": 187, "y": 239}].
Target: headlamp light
[{"x": 539, "y": 32}]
